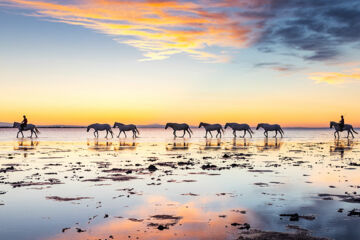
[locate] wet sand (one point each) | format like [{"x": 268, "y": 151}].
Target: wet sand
[{"x": 180, "y": 189}]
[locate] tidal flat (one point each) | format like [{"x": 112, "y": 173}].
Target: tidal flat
[{"x": 303, "y": 186}]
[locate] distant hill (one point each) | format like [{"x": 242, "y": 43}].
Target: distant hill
[{"x": 5, "y": 124}]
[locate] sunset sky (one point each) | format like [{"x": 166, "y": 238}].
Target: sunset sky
[{"x": 290, "y": 62}]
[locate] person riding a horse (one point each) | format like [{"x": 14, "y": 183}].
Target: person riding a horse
[
  {"x": 23, "y": 123},
  {"x": 342, "y": 123}
]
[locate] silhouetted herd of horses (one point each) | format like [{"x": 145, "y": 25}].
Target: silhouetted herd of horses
[{"x": 209, "y": 128}]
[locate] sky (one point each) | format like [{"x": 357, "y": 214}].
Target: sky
[{"x": 290, "y": 62}]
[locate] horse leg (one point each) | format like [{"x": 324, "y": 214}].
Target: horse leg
[
  {"x": 183, "y": 134},
  {"x": 335, "y": 134},
  {"x": 276, "y": 132},
  {"x": 234, "y": 133},
  {"x": 265, "y": 134},
  {"x": 348, "y": 134},
  {"x": 22, "y": 134},
  {"x": 174, "y": 133},
  {"x": 249, "y": 133},
  {"x": 31, "y": 131},
  {"x": 281, "y": 134},
  {"x": 206, "y": 134},
  {"x": 125, "y": 133},
  {"x": 107, "y": 132},
  {"x": 17, "y": 135},
  {"x": 119, "y": 133},
  {"x": 352, "y": 134},
  {"x": 244, "y": 133}
]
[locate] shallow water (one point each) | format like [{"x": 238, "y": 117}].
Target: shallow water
[{"x": 67, "y": 179}]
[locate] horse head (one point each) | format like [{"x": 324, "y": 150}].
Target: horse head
[
  {"x": 16, "y": 124},
  {"x": 88, "y": 128},
  {"x": 332, "y": 123},
  {"x": 201, "y": 124},
  {"x": 167, "y": 125},
  {"x": 226, "y": 125},
  {"x": 259, "y": 126}
]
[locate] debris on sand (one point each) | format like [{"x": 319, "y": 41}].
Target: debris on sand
[
  {"x": 262, "y": 235},
  {"x": 161, "y": 227},
  {"x": 79, "y": 230},
  {"x": 65, "y": 229},
  {"x": 354, "y": 212},
  {"x": 152, "y": 168},
  {"x": 135, "y": 220},
  {"x": 66, "y": 199},
  {"x": 190, "y": 194},
  {"x": 166, "y": 217},
  {"x": 241, "y": 226},
  {"x": 209, "y": 167},
  {"x": 51, "y": 181},
  {"x": 296, "y": 216}
]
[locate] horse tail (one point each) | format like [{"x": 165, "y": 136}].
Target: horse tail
[
  {"x": 281, "y": 130},
  {"x": 221, "y": 128},
  {"x": 353, "y": 130},
  {"x": 190, "y": 130},
  {"x": 251, "y": 130},
  {"x": 37, "y": 130}
]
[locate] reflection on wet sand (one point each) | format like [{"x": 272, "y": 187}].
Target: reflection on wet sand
[
  {"x": 163, "y": 219},
  {"x": 178, "y": 144},
  {"x": 147, "y": 192},
  {"x": 26, "y": 144},
  {"x": 99, "y": 144},
  {"x": 270, "y": 144},
  {"x": 126, "y": 144},
  {"x": 242, "y": 143},
  {"x": 340, "y": 146},
  {"x": 211, "y": 144}
]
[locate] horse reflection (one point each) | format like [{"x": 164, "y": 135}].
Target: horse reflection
[
  {"x": 212, "y": 144},
  {"x": 270, "y": 144},
  {"x": 26, "y": 144},
  {"x": 126, "y": 144},
  {"x": 340, "y": 146},
  {"x": 100, "y": 145},
  {"x": 178, "y": 145},
  {"x": 239, "y": 143}
]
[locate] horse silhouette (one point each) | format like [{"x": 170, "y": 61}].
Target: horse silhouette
[
  {"x": 347, "y": 127},
  {"x": 29, "y": 127},
  {"x": 123, "y": 128},
  {"x": 179, "y": 127},
  {"x": 100, "y": 127},
  {"x": 212, "y": 127},
  {"x": 239, "y": 127},
  {"x": 270, "y": 127}
]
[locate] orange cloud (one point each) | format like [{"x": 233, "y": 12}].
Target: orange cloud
[
  {"x": 335, "y": 77},
  {"x": 157, "y": 28}
]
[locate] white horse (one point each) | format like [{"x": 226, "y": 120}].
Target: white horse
[
  {"x": 100, "y": 127},
  {"x": 212, "y": 127},
  {"x": 239, "y": 127},
  {"x": 270, "y": 127},
  {"x": 347, "y": 127},
  {"x": 29, "y": 127},
  {"x": 123, "y": 128},
  {"x": 179, "y": 127}
]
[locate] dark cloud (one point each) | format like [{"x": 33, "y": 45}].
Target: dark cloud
[
  {"x": 277, "y": 66},
  {"x": 316, "y": 28}
]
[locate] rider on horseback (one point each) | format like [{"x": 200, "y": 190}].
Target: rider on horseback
[
  {"x": 342, "y": 123},
  {"x": 23, "y": 123}
]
